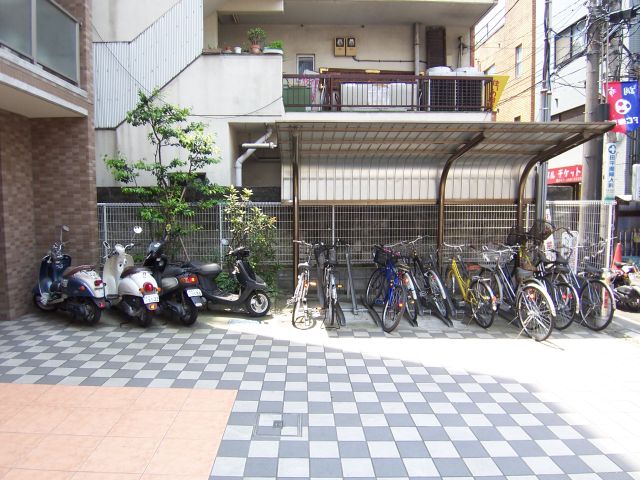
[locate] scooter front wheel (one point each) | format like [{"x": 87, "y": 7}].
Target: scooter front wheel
[
  {"x": 258, "y": 304},
  {"x": 93, "y": 313},
  {"x": 37, "y": 300},
  {"x": 190, "y": 313}
]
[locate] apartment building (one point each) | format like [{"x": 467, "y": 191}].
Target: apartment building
[{"x": 47, "y": 158}]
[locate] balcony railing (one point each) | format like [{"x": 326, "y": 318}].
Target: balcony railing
[
  {"x": 43, "y": 32},
  {"x": 389, "y": 93}
]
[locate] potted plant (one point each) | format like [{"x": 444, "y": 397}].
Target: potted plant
[
  {"x": 256, "y": 36},
  {"x": 274, "y": 47}
]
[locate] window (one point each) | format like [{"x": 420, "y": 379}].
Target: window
[
  {"x": 518, "y": 66},
  {"x": 491, "y": 70},
  {"x": 517, "y": 119},
  {"x": 306, "y": 62},
  {"x": 570, "y": 43}
]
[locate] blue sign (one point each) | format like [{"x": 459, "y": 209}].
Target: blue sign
[{"x": 623, "y": 106}]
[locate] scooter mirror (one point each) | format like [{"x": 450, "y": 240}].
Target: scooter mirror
[
  {"x": 137, "y": 229},
  {"x": 65, "y": 228},
  {"x": 224, "y": 242}
]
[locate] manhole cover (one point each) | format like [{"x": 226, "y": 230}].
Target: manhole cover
[{"x": 278, "y": 425}]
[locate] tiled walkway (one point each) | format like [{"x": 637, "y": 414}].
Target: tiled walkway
[{"x": 431, "y": 402}]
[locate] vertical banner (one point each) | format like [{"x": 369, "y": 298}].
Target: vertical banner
[
  {"x": 498, "y": 83},
  {"x": 623, "y": 106},
  {"x": 609, "y": 172}
]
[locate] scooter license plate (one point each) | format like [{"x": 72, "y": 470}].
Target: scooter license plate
[
  {"x": 153, "y": 298},
  {"x": 194, "y": 292}
]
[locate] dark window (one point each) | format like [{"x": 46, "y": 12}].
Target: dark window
[
  {"x": 436, "y": 47},
  {"x": 518, "y": 65},
  {"x": 570, "y": 43},
  {"x": 517, "y": 119}
]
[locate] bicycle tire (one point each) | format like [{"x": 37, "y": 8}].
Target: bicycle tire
[
  {"x": 482, "y": 303},
  {"x": 393, "y": 309},
  {"x": 495, "y": 284},
  {"x": 539, "y": 316},
  {"x": 375, "y": 289},
  {"x": 411, "y": 299},
  {"x": 438, "y": 295},
  {"x": 452, "y": 285},
  {"x": 596, "y": 319},
  {"x": 565, "y": 299}
]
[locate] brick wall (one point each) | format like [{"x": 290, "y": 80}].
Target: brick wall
[
  {"x": 18, "y": 258},
  {"x": 518, "y": 98}
]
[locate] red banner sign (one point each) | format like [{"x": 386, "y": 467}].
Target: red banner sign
[{"x": 572, "y": 174}]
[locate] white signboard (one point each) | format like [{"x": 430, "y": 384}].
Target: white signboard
[
  {"x": 635, "y": 183},
  {"x": 609, "y": 172},
  {"x": 569, "y": 243}
]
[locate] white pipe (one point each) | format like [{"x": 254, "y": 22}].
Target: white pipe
[
  {"x": 240, "y": 160},
  {"x": 270, "y": 145},
  {"x": 416, "y": 49}
]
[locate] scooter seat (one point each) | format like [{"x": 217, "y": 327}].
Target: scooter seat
[
  {"x": 132, "y": 270},
  {"x": 172, "y": 271},
  {"x": 70, "y": 271},
  {"x": 206, "y": 269}
]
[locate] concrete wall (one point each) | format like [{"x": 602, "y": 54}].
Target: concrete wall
[
  {"x": 382, "y": 47},
  {"x": 249, "y": 83},
  {"x": 518, "y": 98},
  {"x": 123, "y": 20}
]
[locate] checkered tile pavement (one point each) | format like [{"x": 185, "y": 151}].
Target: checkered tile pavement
[{"x": 312, "y": 411}]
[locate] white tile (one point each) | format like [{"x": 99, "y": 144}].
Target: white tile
[
  {"x": 373, "y": 420},
  {"x": 366, "y": 397},
  {"x": 476, "y": 420},
  {"x": 379, "y": 449},
  {"x": 345, "y": 407},
  {"x": 408, "y": 397},
  {"x": 238, "y": 432},
  {"x": 513, "y": 433},
  {"x": 245, "y": 406},
  {"x": 324, "y": 449},
  {"x": 295, "y": 407},
  {"x": 499, "y": 448},
  {"x": 554, "y": 448},
  {"x": 420, "y": 467},
  {"x": 526, "y": 420},
  {"x": 482, "y": 467},
  {"x": 600, "y": 463},
  {"x": 425, "y": 420},
  {"x": 443, "y": 408},
  {"x": 458, "y": 397},
  {"x": 350, "y": 434},
  {"x": 537, "y": 407},
  {"x": 357, "y": 467},
  {"x": 542, "y": 465},
  {"x": 490, "y": 408},
  {"x": 405, "y": 434},
  {"x": 272, "y": 396},
  {"x": 229, "y": 466},
  {"x": 264, "y": 449},
  {"x": 293, "y": 467},
  {"x": 441, "y": 449},
  {"x": 393, "y": 407},
  {"x": 460, "y": 433},
  {"x": 321, "y": 420},
  {"x": 314, "y": 396}
]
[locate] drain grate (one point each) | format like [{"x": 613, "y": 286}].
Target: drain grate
[{"x": 278, "y": 425}]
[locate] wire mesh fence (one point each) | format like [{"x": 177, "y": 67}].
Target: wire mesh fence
[{"x": 362, "y": 226}]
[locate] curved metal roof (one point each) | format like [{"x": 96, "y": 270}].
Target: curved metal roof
[{"x": 362, "y": 162}]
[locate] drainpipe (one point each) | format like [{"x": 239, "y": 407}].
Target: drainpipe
[
  {"x": 416, "y": 49},
  {"x": 253, "y": 146}
]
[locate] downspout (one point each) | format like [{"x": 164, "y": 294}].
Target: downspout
[
  {"x": 416, "y": 49},
  {"x": 240, "y": 160}
]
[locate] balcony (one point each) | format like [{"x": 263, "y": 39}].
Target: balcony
[
  {"x": 340, "y": 92},
  {"x": 43, "y": 33}
]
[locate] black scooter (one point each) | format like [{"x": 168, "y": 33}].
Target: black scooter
[
  {"x": 180, "y": 295},
  {"x": 253, "y": 290}
]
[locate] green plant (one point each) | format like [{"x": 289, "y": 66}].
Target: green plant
[
  {"x": 180, "y": 190},
  {"x": 251, "y": 227},
  {"x": 277, "y": 44},
  {"x": 256, "y": 35}
]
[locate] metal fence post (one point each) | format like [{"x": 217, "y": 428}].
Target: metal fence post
[
  {"x": 333, "y": 224},
  {"x": 220, "y": 231},
  {"x": 105, "y": 236}
]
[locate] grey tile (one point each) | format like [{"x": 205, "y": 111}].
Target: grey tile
[
  {"x": 433, "y": 433},
  {"x": 451, "y": 467},
  {"x": 325, "y": 467},
  {"x": 260, "y": 467},
  {"x": 389, "y": 467},
  {"x": 412, "y": 449},
  {"x": 527, "y": 448},
  {"x": 322, "y": 433},
  {"x": 293, "y": 449},
  {"x": 512, "y": 466},
  {"x": 470, "y": 449},
  {"x": 582, "y": 447},
  {"x": 353, "y": 450},
  {"x": 378, "y": 433},
  {"x": 451, "y": 420}
]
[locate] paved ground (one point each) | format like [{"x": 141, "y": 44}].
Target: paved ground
[{"x": 426, "y": 402}]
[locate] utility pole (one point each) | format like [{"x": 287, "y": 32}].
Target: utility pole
[
  {"x": 545, "y": 112},
  {"x": 592, "y": 164}
]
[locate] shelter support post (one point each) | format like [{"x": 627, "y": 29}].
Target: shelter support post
[
  {"x": 443, "y": 181},
  {"x": 296, "y": 206}
]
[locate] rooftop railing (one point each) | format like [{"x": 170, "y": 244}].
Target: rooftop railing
[
  {"x": 351, "y": 92},
  {"x": 44, "y": 33}
]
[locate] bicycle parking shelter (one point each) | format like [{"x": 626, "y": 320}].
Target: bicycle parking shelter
[{"x": 383, "y": 163}]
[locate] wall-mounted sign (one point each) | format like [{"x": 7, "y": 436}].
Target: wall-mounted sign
[
  {"x": 609, "y": 172},
  {"x": 352, "y": 49},
  {"x": 572, "y": 174},
  {"x": 340, "y": 47},
  {"x": 623, "y": 106},
  {"x": 498, "y": 83}
]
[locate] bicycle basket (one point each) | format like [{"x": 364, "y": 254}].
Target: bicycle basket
[
  {"x": 380, "y": 255},
  {"x": 319, "y": 253},
  {"x": 515, "y": 237},
  {"x": 541, "y": 230},
  {"x": 523, "y": 274}
]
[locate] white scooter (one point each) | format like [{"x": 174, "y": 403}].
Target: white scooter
[{"x": 130, "y": 289}]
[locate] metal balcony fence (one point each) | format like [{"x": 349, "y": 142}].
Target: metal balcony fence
[
  {"x": 351, "y": 92},
  {"x": 362, "y": 226}
]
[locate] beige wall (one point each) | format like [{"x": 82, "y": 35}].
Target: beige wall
[
  {"x": 392, "y": 43},
  {"x": 123, "y": 20},
  {"x": 518, "y": 98}
]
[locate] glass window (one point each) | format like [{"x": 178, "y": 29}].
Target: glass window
[
  {"x": 491, "y": 70},
  {"x": 518, "y": 66},
  {"x": 306, "y": 62},
  {"x": 570, "y": 42},
  {"x": 15, "y": 25},
  {"x": 57, "y": 40}
]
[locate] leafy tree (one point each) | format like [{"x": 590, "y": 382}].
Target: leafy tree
[{"x": 180, "y": 190}]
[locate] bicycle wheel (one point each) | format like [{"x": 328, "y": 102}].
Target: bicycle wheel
[
  {"x": 374, "y": 295},
  {"x": 437, "y": 294},
  {"x": 596, "y": 304},
  {"x": 331, "y": 312},
  {"x": 535, "y": 312},
  {"x": 482, "y": 303},
  {"x": 495, "y": 284},
  {"x": 411, "y": 297},
  {"x": 565, "y": 299},
  {"x": 393, "y": 309},
  {"x": 452, "y": 285}
]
